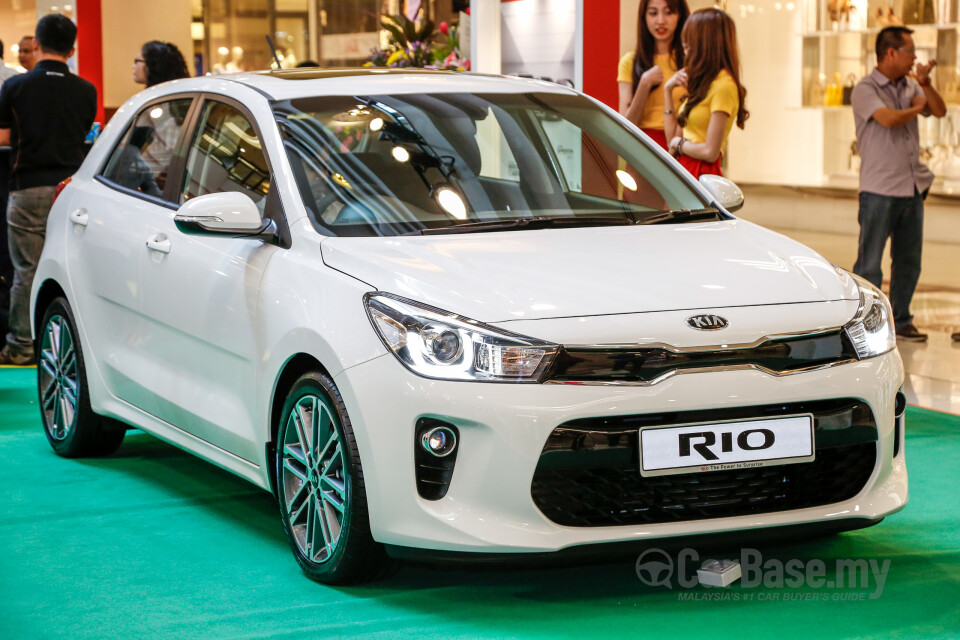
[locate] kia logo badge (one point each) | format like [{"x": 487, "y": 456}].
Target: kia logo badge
[{"x": 707, "y": 322}]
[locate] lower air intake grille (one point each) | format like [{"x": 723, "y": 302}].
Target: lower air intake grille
[{"x": 588, "y": 475}]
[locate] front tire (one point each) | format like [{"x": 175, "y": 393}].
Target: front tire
[
  {"x": 320, "y": 488},
  {"x": 72, "y": 428}
]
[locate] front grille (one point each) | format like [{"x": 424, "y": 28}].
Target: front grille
[
  {"x": 589, "y": 475},
  {"x": 645, "y": 365}
]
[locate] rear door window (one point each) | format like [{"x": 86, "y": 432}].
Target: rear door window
[{"x": 142, "y": 159}]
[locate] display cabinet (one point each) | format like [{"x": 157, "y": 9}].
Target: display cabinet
[{"x": 838, "y": 49}]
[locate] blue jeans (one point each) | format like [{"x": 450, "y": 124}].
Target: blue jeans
[
  {"x": 900, "y": 220},
  {"x": 27, "y": 213}
]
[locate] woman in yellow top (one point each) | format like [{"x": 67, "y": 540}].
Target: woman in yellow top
[
  {"x": 658, "y": 56},
  {"x": 715, "y": 99}
]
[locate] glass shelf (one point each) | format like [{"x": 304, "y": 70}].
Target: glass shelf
[
  {"x": 875, "y": 30},
  {"x": 835, "y": 58},
  {"x": 828, "y": 17}
]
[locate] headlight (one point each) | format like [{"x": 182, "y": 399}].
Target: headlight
[
  {"x": 871, "y": 331},
  {"x": 437, "y": 344}
]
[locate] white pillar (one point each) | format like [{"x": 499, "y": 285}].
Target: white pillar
[
  {"x": 578, "y": 51},
  {"x": 485, "y": 36},
  {"x": 313, "y": 28}
]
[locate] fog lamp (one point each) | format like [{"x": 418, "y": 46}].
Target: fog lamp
[{"x": 439, "y": 441}]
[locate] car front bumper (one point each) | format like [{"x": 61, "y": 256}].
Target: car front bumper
[{"x": 503, "y": 429}]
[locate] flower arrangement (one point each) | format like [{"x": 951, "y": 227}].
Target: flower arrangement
[
  {"x": 419, "y": 44},
  {"x": 414, "y": 54}
]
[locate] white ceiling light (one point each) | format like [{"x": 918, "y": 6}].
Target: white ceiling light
[
  {"x": 452, "y": 203},
  {"x": 626, "y": 180}
]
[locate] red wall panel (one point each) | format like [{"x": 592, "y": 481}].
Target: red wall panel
[
  {"x": 601, "y": 49},
  {"x": 90, "y": 47}
]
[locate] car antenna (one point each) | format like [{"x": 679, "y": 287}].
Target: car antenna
[{"x": 274, "y": 50}]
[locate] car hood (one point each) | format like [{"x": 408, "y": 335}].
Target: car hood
[{"x": 557, "y": 273}]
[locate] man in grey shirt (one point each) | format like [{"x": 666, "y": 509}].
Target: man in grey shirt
[
  {"x": 5, "y": 71},
  {"x": 893, "y": 181}
]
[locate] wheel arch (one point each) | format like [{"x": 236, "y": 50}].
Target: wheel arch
[
  {"x": 295, "y": 366},
  {"x": 47, "y": 293}
]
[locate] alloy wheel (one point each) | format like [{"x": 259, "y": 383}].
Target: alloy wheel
[
  {"x": 59, "y": 378},
  {"x": 313, "y": 478}
]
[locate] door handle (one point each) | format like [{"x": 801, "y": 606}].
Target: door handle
[
  {"x": 80, "y": 217},
  {"x": 159, "y": 243}
]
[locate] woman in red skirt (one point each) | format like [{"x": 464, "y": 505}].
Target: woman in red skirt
[
  {"x": 659, "y": 54},
  {"x": 698, "y": 129}
]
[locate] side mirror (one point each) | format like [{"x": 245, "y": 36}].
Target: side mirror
[
  {"x": 226, "y": 213},
  {"x": 727, "y": 194}
]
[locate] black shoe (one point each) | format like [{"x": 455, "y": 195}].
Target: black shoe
[
  {"x": 16, "y": 359},
  {"x": 910, "y": 333},
  {"x": 955, "y": 336}
]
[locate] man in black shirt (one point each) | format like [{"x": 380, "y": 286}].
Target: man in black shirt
[{"x": 44, "y": 117}]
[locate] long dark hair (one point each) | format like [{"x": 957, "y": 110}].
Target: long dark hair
[
  {"x": 646, "y": 47},
  {"x": 712, "y": 47},
  {"x": 164, "y": 62}
]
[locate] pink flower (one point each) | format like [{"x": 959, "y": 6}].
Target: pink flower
[
  {"x": 451, "y": 60},
  {"x": 444, "y": 29}
]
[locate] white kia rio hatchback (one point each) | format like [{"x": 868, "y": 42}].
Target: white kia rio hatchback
[{"x": 454, "y": 315}]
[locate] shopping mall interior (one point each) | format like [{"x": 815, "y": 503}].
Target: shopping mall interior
[{"x": 154, "y": 542}]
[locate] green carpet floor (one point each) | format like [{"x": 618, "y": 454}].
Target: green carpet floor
[{"x": 154, "y": 543}]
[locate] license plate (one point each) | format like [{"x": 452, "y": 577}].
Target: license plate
[{"x": 718, "y": 446}]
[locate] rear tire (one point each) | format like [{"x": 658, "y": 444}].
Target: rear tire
[
  {"x": 320, "y": 488},
  {"x": 72, "y": 428}
]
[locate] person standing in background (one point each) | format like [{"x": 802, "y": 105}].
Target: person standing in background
[
  {"x": 44, "y": 117},
  {"x": 659, "y": 54},
  {"x": 5, "y": 70},
  {"x": 893, "y": 181},
  {"x": 6, "y": 267},
  {"x": 27, "y": 52},
  {"x": 699, "y": 128},
  {"x": 159, "y": 62}
]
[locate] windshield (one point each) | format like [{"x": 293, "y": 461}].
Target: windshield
[{"x": 454, "y": 163}]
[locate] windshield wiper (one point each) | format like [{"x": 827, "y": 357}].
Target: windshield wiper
[
  {"x": 682, "y": 215},
  {"x": 534, "y": 222}
]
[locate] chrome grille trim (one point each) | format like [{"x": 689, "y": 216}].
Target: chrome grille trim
[
  {"x": 644, "y": 365},
  {"x": 707, "y": 348},
  {"x": 670, "y": 374}
]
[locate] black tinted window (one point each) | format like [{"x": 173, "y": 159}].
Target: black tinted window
[
  {"x": 225, "y": 155},
  {"x": 372, "y": 165}
]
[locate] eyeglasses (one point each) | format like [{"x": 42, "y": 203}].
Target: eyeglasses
[{"x": 136, "y": 60}]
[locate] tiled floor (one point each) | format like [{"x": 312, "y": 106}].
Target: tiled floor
[{"x": 933, "y": 368}]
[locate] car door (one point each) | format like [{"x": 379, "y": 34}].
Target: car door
[
  {"x": 109, "y": 218},
  {"x": 200, "y": 291}
]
